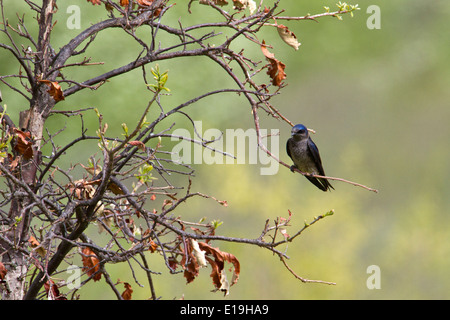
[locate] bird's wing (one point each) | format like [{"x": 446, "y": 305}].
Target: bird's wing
[
  {"x": 321, "y": 183},
  {"x": 288, "y": 150},
  {"x": 314, "y": 151}
]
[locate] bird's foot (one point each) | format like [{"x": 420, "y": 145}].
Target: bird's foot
[{"x": 293, "y": 167}]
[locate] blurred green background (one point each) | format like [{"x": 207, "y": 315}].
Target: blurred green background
[{"x": 379, "y": 102}]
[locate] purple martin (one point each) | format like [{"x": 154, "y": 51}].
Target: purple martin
[{"x": 305, "y": 155}]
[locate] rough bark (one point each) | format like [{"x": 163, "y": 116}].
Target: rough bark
[{"x": 32, "y": 121}]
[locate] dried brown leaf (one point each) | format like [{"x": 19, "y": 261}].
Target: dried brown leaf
[
  {"x": 138, "y": 144},
  {"x": 52, "y": 291},
  {"x": 191, "y": 268},
  {"x": 152, "y": 246},
  {"x": 276, "y": 67},
  {"x": 3, "y": 271},
  {"x": 198, "y": 253},
  {"x": 91, "y": 264},
  {"x": 85, "y": 186},
  {"x": 218, "y": 263},
  {"x": 242, "y": 4},
  {"x": 55, "y": 89},
  {"x": 35, "y": 244},
  {"x": 288, "y": 36},
  {"x": 82, "y": 189},
  {"x": 173, "y": 263},
  {"x": 23, "y": 143},
  {"x": 126, "y": 295}
]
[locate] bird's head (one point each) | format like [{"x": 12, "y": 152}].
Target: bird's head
[{"x": 299, "y": 132}]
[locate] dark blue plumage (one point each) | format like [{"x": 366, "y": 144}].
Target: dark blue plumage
[{"x": 305, "y": 155}]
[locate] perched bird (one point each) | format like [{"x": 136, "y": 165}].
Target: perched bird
[{"x": 305, "y": 155}]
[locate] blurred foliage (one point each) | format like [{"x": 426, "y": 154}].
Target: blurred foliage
[{"x": 379, "y": 102}]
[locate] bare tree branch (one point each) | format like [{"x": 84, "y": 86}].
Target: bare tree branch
[{"x": 47, "y": 209}]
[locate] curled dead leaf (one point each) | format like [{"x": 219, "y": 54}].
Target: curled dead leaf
[
  {"x": 191, "y": 268},
  {"x": 276, "y": 67},
  {"x": 82, "y": 189},
  {"x": 152, "y": 246},
  {"x": 55, "y": 89},
  {"x": 91, "y": 264},
  {"x": 36, "y": 245},
  {"x": 114, "y": 188},
  {"x": 224, "y": 284},
  {"x": 138, "y": 144},
  {"x": 288, "y": 36},
  {"x": 242, "y": 4},
  {"x": 10, "y": 161},
  {"x": 23, "y": 143},
  {"x": 126, "y": 295},
  {"x": 52, "y": 291},
  {"x": 3, "y": 271},
  {"x": 199, "y": 254},
  {"x": 217, "y": 265},
  {"x": 157, "y": 6},
  {"x": 173, "y": 263}
]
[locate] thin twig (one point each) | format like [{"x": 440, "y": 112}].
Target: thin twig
[{"x": 304, "y": 280}]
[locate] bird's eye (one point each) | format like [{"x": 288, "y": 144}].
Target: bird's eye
[{"x": 301, "y": 131}]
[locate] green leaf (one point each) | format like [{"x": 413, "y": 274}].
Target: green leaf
[
  {"x": 125, "y": 129},
  {"x": 144, "y": 173},
  {"x": 216, "y": 223},
  {"x": 160, "y": 78},
  {"x": 18, "y": 220}
]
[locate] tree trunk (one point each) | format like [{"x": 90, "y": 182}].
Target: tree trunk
[{"x": 15, "y": 255}]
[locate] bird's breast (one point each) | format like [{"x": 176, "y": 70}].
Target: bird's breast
[{"x": 301, "y": 157}]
